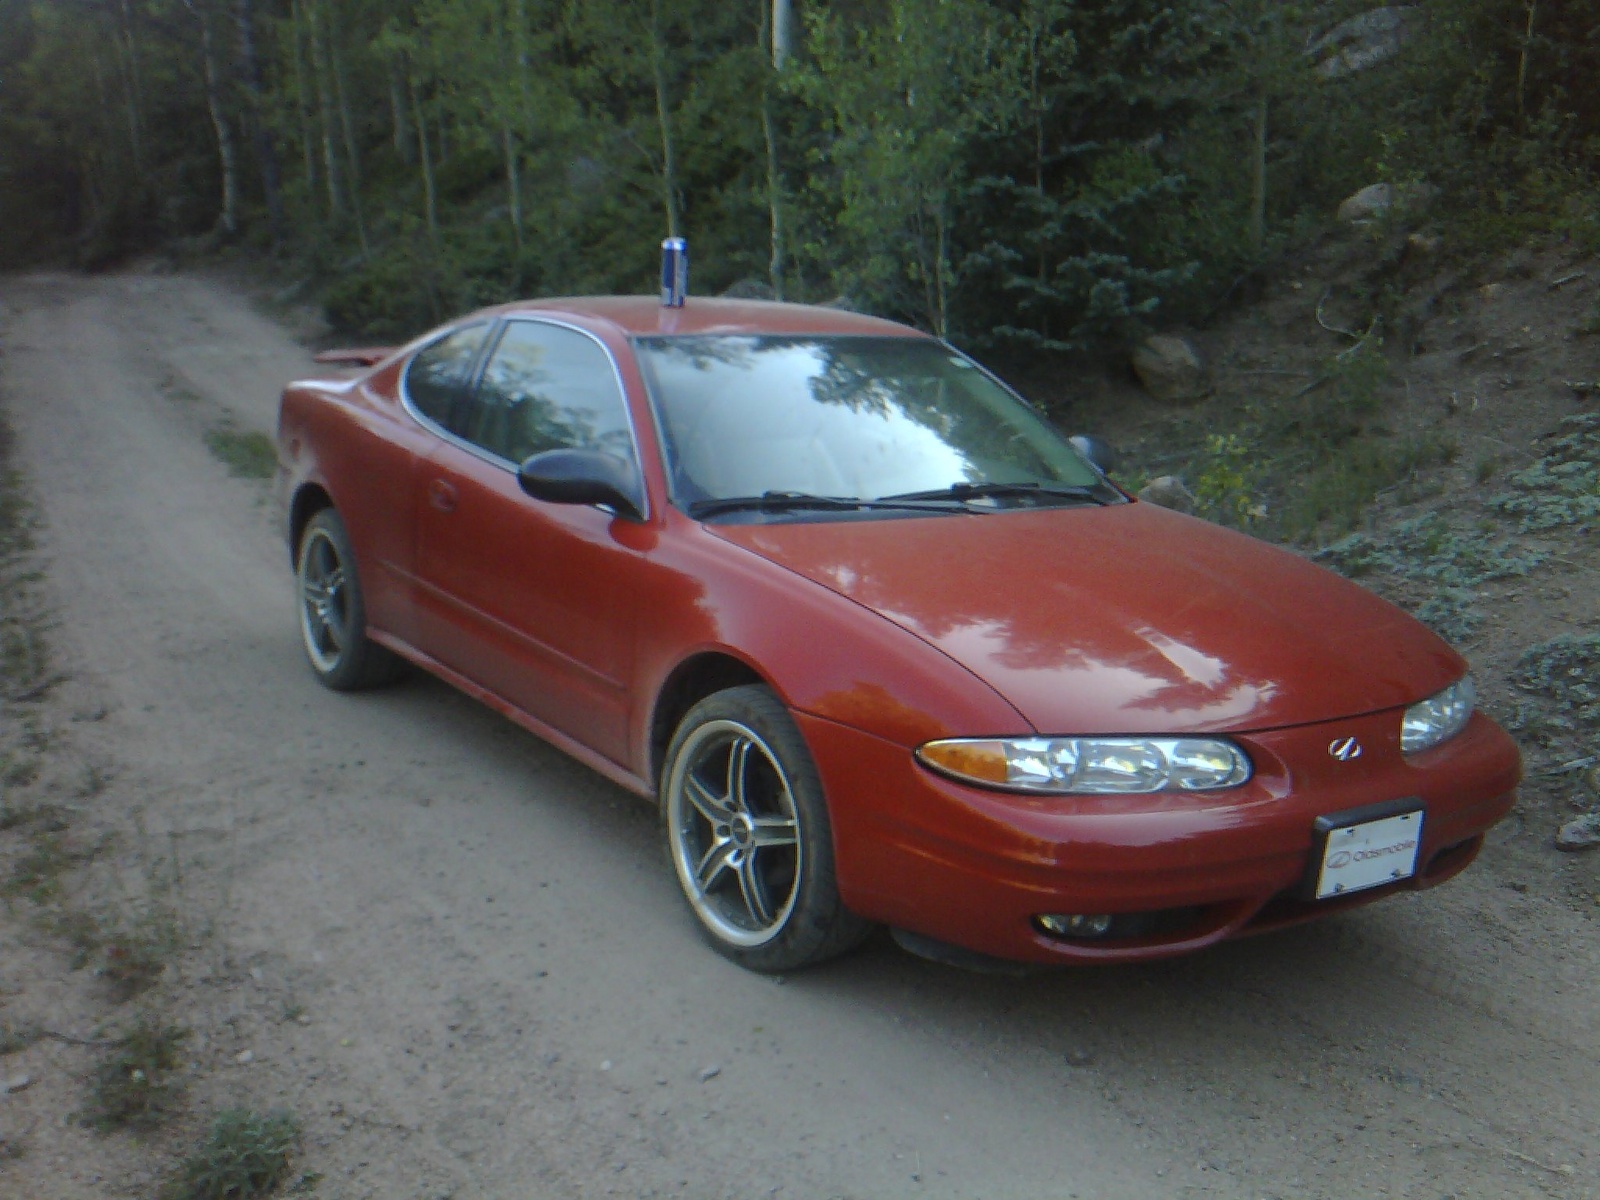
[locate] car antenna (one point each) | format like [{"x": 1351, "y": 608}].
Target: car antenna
[{"x": 674, "y": 272}]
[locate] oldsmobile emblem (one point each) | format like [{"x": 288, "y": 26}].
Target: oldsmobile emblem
[{"x": 1344, "y": 749}]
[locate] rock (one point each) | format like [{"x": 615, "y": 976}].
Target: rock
[
  {"x": 1580, "y": 834},
  {"x": 709, "y": 1073},
  {"x": 1169, "y": 369},
  {"x": 1079, "y": 1058},
  {"x": 16, "y": 1084},
  {"x": 1368, "y": 204},
  {"x": 1169, "y": 492},
  {"x": 245, "y": 1057},
  {"x": 1363, "y": 41}
]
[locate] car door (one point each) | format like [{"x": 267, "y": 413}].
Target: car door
[{"x": 531, "y": 600}]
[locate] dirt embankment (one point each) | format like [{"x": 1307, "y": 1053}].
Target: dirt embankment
[{"x": 456, "y": 957}]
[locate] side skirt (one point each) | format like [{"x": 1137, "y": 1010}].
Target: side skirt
[{"x": 618, "y": 774}]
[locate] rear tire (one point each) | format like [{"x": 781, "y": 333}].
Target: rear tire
[
  {"x": 747, "y": 832},
  {"x": 333, "y": 617}
]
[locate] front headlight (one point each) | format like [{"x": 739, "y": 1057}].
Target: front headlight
[
  {"x": 1438, "y": 718},
  {"x": 1090, "y": 766}
]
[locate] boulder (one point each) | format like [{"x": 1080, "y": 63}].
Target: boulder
[
  {"x": 1169, "y": 492},
  {"x": 1368, "y": 204},
  {"x": 1169, "y": 369},
  {"x": 1363, "y": 41},
  {"x": 1580, "y": 834}
]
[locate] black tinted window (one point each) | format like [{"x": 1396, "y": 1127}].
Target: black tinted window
[
  {"x": 438, "y": 374},
  {"x": 548, "y": 388}
]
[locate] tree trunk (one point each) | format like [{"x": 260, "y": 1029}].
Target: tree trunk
[
  {"x": 513, "y": 183},
  {"x": 266, "y": 151},
  {"x": 782, "y": 33},
  {"x": 669, "y": 169},
  {"x": 227, "y": 152},
  {"x": 302, "y": 95},
  {"x": 776, "y": 263},
  {"x": 430, "y": 199},
  {"x": 129, "y": 45},
  {"x": 399, "y": 117},
  {"x": 352, "y": 155},
  {"x": 325, "y": 118},
  {"x": 1258, "y": 182}
]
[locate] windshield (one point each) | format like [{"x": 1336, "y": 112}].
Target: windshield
[{"x": 861, "y": 418}]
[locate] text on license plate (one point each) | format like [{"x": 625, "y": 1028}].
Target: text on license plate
[{"x": 1369, "y": 854}]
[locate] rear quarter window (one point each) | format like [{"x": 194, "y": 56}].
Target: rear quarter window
[{"x": 437, "y": 377}]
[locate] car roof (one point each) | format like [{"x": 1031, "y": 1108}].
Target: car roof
[{"x": 645, "y": 316}]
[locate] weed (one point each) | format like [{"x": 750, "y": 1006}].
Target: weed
[
  {"x": 1563, "y": 487},
  {"x": 1565, "y": 673},
  {"x": 1225, "y": 484},
  {"x": 46, "y": 818},
  {"x": 1487, "y": 466},
  {"x": 248, "y": 455},
  {"x": 130, "y": 1088},
  {"x": 37, "y": 874},
  {"x": 1451, "y": 612},
  {"x": 1428, "y": 550},
  {"x": 16, "y": 1037},
  {"x": 128, "y": 945},
  {"x": 245, "y": 1155}
]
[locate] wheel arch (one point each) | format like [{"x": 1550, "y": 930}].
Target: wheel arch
[
  {"x": 690, "y": 682},
  {"x": 309, "y": 500}
]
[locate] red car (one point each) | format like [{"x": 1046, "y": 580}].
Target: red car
[{"x": 882, "y": 644}]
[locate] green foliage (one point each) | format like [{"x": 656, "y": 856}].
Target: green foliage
[
  {"x": 1563, "y": 487},
  {"x": 1045, "y": 174},
  {"x": 1430, "y": 548},
  {"x": 131, "y": 1087},
  {"x": 1564, "y": 675},
  {"x": 249, "y": 455},
  {"x": 1450, "y": 562},
  {"x": 244, "y": 1156},
  {"x": 1226, "y": 482}
]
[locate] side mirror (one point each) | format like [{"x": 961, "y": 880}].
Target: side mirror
[
  {"x": 1098, "y": 451},
  {"x": 581, "y": 477}
]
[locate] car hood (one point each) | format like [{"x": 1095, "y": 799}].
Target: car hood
[{"x": 1123, "y": 619}]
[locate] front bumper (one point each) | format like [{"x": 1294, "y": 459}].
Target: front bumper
[{"x": 973, "y": 867}]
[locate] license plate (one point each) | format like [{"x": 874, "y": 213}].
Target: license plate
[{"x": 1367, "y": 854}]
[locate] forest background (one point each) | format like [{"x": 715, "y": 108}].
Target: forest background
[{"x": 1024, "y": 176}]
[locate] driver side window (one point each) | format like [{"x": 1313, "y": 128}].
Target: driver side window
[{"x": 547, "y": 387}]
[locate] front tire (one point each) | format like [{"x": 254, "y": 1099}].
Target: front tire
[
  {"x": 747, "y": 832},
  {"x": 333, "y": 617}
]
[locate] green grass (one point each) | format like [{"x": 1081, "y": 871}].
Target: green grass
[
  {"x": 245, "y": 1155},
  {"x": 16, "y": 1037},
  {"x": 247, "y": 455},
  {"x": 131, "y": 1088}
]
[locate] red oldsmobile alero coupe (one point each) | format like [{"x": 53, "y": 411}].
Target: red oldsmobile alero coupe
[{"x": 882, "y": 644}]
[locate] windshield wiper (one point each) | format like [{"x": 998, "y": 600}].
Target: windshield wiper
[
  {"x": 983, "y": 491},
  {"x": 797, "y": 501}
]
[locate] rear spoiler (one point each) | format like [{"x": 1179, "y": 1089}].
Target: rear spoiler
[{"x": 363, "y": 356}]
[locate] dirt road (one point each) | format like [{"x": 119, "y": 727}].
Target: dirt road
[{"x": 499, "y": 994}]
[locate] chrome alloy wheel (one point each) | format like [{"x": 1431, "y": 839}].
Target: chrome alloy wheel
[
  {"x": 324, "y": 601},
  {"x": 735, "y": 833}
]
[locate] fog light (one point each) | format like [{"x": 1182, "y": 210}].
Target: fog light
[{"x": 1075, "y": 925}]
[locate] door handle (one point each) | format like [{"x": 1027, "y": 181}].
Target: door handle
[{"x": 441, "y": 495}]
